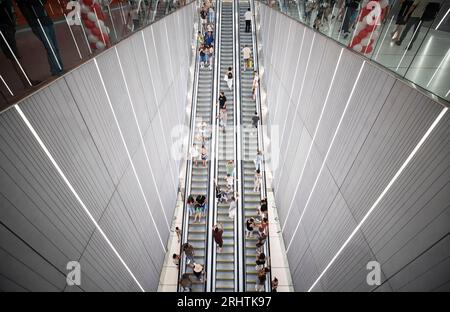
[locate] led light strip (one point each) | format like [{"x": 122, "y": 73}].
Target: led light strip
[
  {"x": 69, "y": 185},
  {"x": 438, "y": 68},
  {"x": 384, "y": 37},
  {"x": 15, "y": 58},
  {"x": 159, "y": 113},
  {"x": 6, "y": 85},
  {"x": 442, "y": 19},
  {"x": 154, "y": 95},
  {"x": 73, "y": 37},
  {"x": 49, "y": 44},
  {"x": 326, "y": 156},
  {"x": 406, "y": 50},
  {"x": 142, "y": 138},
  {"x": 290, "y": 97},
  {"x": 128, "y": 154},
  {"x": 299, "y": 97},
  {"x": 312, "y": 141},
  {"x": 418, "y": 146}
]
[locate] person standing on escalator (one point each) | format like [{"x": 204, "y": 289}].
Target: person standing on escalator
[
  {"x": 248, "y": 20},
  {"x": 218, "y": 233}
]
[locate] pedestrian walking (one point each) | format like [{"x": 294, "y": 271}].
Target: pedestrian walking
[
  {"x": 176, "y": 259},
  {"x": 37, "y": 17},
  {"x": 188, "y": 250},
  {"x": 257, "y": 181},
  {"x": 204, "y": 155},
  {"x": 255, "y": 84},
  {"x": 194, "y": 154},
  {"x": 178, "y": 232},
  {"x": 247, "y": 54},
  {"x": 232, "y": 208},
  {"x": 228, "y": 77},
  {"x": 185, "y": 283},
  {"x": 218, "y": 233},
  {"x": 248, "y": 20}
]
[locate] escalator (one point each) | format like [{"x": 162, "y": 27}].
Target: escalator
[
  {"x": 251, "y": 142},
  {"x": 225, "y": 260},
  {"x": 198, "y": 176}
]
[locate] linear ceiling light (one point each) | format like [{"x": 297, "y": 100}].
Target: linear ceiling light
[
  {"x": 142, "y": 138},
  {"x": 312, "y": 141},
  {"x": 6, "y": 85},
  {"x": 299, "y": 97},
  {"x": 129, "y": 155},
  {"x": 326, "y": 155},
  {"x": 442, "y": 19},
  {"x": 438, "y": 68},
  {"x": 407, "y": 161},
  {"x": 69, "y": 185}
]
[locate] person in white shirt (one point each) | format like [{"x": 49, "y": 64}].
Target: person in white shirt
[
  {"x": 194, "y": 154},
  {"x": 414, "y": 21},
  {"x": 258, "y": 160},
  {"x": 247, "y": 53},
  {"x": 248, "y": 20},
  {"x": 232, "y": 208}
]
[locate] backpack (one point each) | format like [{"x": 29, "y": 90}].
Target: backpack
[{"x": 431, "y": 10}]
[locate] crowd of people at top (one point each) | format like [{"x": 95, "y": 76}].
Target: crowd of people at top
[
  {"x": 257, "y": 226},
  {"x": 205, "y": 36},
  {"x": 410, "y": 17}
]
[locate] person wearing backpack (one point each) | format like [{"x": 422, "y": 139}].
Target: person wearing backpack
[{"x": 419, "y": 12}]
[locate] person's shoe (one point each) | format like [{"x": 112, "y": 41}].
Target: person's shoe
[
  {"x": 346, "y": 36},
  {"x": 399, "y": 43}
]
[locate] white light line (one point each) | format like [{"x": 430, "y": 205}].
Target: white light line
[
  {"x": 290, "y": 101},
  {"x": 142, "y": 138},
  {"x": 69, "y": 185},
  {"x": 49, "y": 44},
  {"x": 300, "y": 95},
  {"x": 112, "y": 21},
  {"x": 326, "y": 156},
  {"x": 438, "y": 68},
  {"x": 442, "y": 19},
  {"x": 6, "y": 85},
  {"x": 384, "y": 37},
  {"x": 313, "y": 139},
  {"x": 418, "y": 146},
  {"x": 406, "y": 50},
  {"x": 15, "y": 58},
  {"x": 123, "y": 14},
  {"x": 157, "y": 104},
  {"x": 84, "y": 34},
  {"x": 73, "y": 37},
  {"x": 100, "y": 28},
  {"x": 448, "y": 92},
  {"x": 128, "y": 154}
]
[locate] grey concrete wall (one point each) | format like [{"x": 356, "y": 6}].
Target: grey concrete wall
[
  {"x": 81, "y": 119},
  {"x": 350, "y": 164}
]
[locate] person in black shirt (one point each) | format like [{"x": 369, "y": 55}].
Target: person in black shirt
[
  {"x": 8, "y": 43},
  {"x": 42, "y": 26},
  {"x": 222, "y": 101},
  {"x": 352, "y": 7},
  {"x": 8, "y": 29}
]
